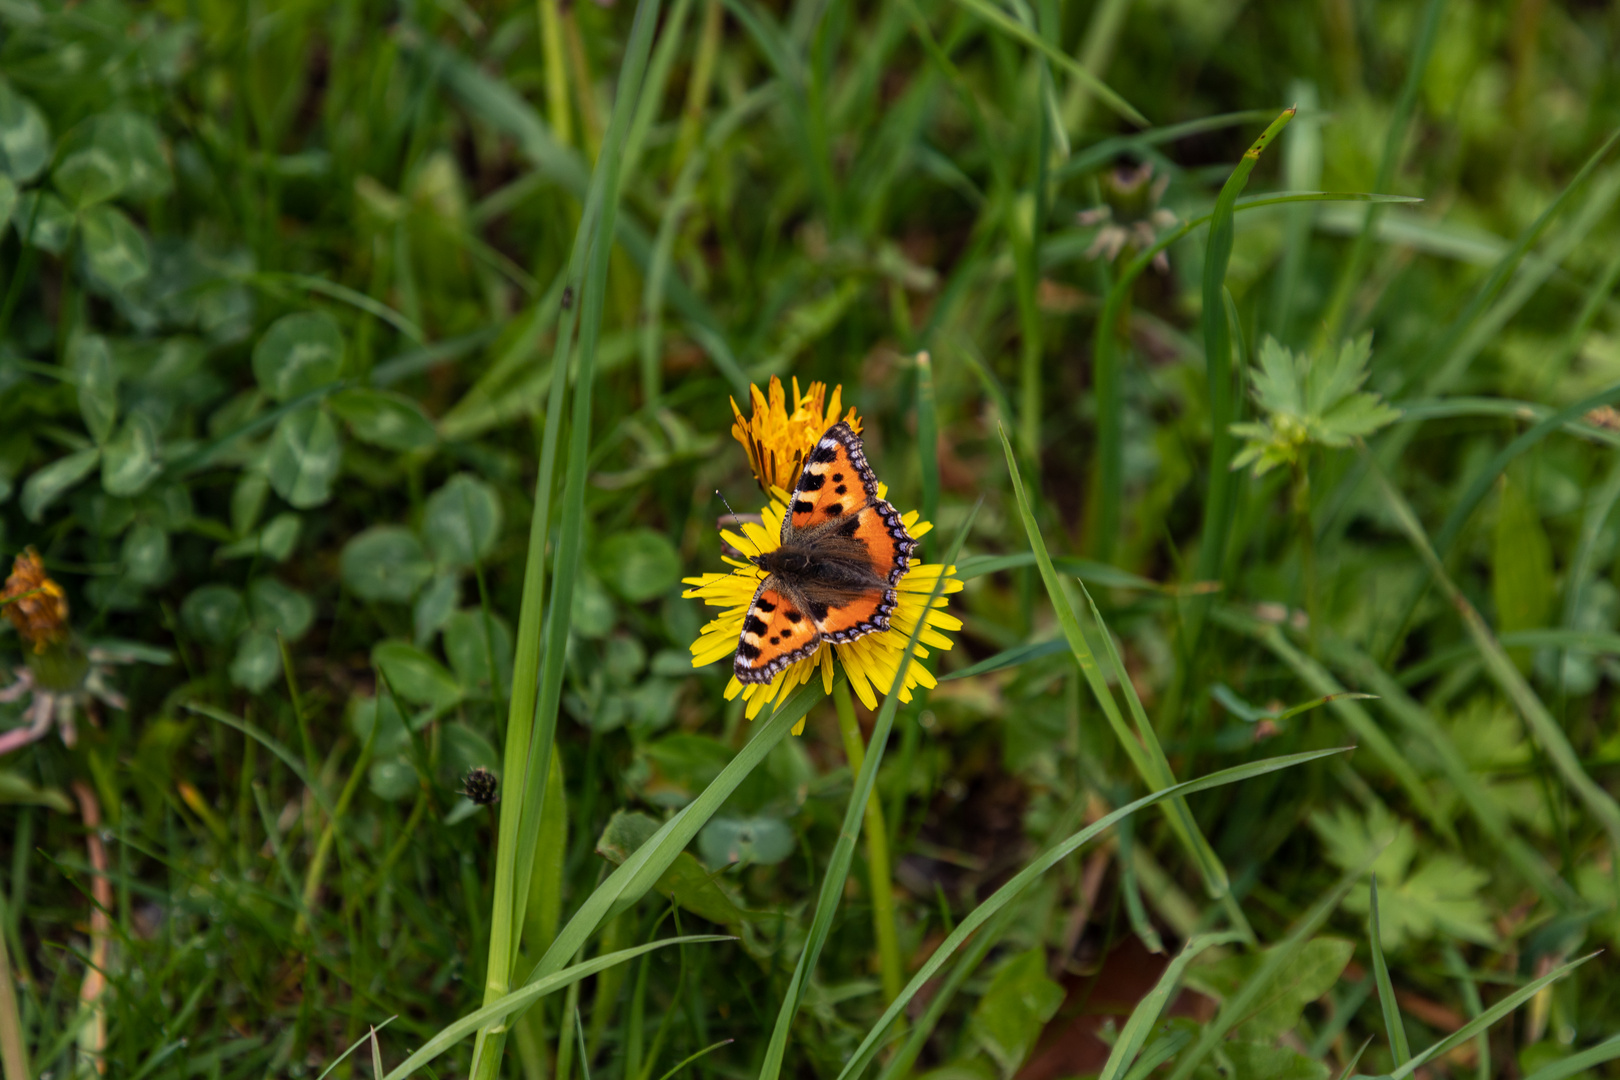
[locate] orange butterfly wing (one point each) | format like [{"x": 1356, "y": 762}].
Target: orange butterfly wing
[
  {"x": 778, "y": 632},
  {"x": 836, "y": 481},
  {"x": 846, "y": 618}
]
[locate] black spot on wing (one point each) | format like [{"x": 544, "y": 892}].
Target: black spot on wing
[
  {"x": 824, "y": 452},
  {"x": 838, "y": 478},
  {"x": 812, "y": 482},
  {"x": 764, "y": 605},
  {"x": 754, "y": 626},
  {"x": 747, "y": 651},
  {"x": 847, "y": 529},
  {"x": 834, "y": 509},
  {"x": 818, "y": 610},
  {"x": 802, "y": 507},
  {"x": 794, "y": 616},
  {"x": 775, "y": 640}
]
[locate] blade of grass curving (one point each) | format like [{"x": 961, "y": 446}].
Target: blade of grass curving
[
  {"x": 1023, "y": 34},
  {"x": 1502, "y": 669},
  {"x": 1355, "y": 1059},
  {"x": 358, "y": 1043},
  {"x": 638, "y": 873},
  {"x": 1400, "y": 1051},
  {"x": 1105, "y": 151},
  {"x": 1355, "y": 717},
  {"x": 1013, "y": 657},
  {"x": 536, "y": 681},
  {"x": 832, "y": 882},
  {"x": 1394, "y": 139},
  {"x": 1302, "y": 169},
  {"x": 1458, "y": 968},
  {"x": 270, "y": 743},
  {"x": 1214, "y": 873},
  {"x": 1218, "y": 372},
  {"x": 1485, "y": 807},
  {"x": 1239, "y": 1005},
  {"x": 1133, "y": 1036},
  {"x": 1486, "y": 1019},
  {"x": 688, "y": 1059},
  {"x": 508, "y": 1004},
  {"x": 1605, "y": 1051},
  {"x": 1032, "y": 873},
  {"x": 1143, "y": 747}
]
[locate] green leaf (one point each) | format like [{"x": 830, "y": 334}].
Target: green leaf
[
  {"x": 639, "y": 565},
  {"x": 18, "y": 790},
  {"x": 1440, "y": 896},
  {"x": 8, "y": 201},
  {"x": 670, "y": 772},
  {"x": 480, "y": 649},
  {"x": 462, "y": 749},
  {"x": 393, "y": 779},
  {"x": 45, "y": 485},
  {"x": 129, "y": 461},
  {"x": 1522, "y": 584},
  {"x": 25, "y": 137},
  {"x": 44, "y": 221},
  {"x": 90, "y": 361},
  {"x": 764, "y": 841},
  {"x": 393, "y": 737},
  {"x": 257, "y": 662},
  {"x": 434, "y": 606},
  {"x": 112, "y": 154},
  {"x": 1279, "y": 1004},
  {"x": 214, "y": 613},
  {"x": 299, "y": 353},
  {"x": 386, "y": 562},
  {"x": 686, "y": 882},
  {"x": 1309, "y": 400},
  {"x": 391, "y": 421},
  {"x": 1012, "y": 1012},
  {"x": 146, "y": 554},
  {"x": 274, "y": 542},
  {"x": 279, "y": 609},
  {"x": 114, "y": 249},
  {"x": 303, "y": 457},
  {"x": 415, "y": 676},
  {"x": 1262, "y": 1061},
  {"x": 461, "y": 521},
  {"x": 592, "y": 608}
]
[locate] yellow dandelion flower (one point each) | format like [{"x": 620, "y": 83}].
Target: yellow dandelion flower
[
  {"x": 777, "y": 439},
  {"x": 34, "y": 603},
  {"x": 778, "y": 443}
]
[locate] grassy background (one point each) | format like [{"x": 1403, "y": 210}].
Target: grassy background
[{"x": 280, "y": 362}]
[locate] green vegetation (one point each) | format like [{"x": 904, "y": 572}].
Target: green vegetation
[{"x": 364, "y": 379}]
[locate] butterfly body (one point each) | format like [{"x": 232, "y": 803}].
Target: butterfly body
[{"x": 842, "y": 551}]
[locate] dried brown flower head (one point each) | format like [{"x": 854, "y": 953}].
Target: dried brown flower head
[{"x": 34, "y": 603}]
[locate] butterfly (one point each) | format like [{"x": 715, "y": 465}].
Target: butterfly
[{"x": 843, "y": 552}]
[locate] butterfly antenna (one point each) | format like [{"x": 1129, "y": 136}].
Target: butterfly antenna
[{"x": 722, "y": 498}]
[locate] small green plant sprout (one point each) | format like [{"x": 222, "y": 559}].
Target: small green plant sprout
[{"x": 1309, "y": 400}]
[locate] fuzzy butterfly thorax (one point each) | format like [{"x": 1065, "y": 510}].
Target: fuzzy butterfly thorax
[{"x": 843, "y": 550}]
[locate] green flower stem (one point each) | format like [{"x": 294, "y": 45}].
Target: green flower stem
[{"x": 884, "y": 927}]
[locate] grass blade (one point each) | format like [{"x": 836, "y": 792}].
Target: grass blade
[
  {"x": 1484, "y": 1020},
  {"x": 1146, "y": 755},
  {"x": 1398, "y": 1047},
  {"x": 1607, "y": 1050},
  {"x": 1502, "y": 669},
  {"x": 508, "y": 1004},
  {"x": 1146, "y": 1014},
  {"x": 1029, "y": 875},
  {"x": 832, "y": 883}
]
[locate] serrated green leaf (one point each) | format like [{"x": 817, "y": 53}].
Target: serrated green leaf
[{"x": 1308, "y": 400}]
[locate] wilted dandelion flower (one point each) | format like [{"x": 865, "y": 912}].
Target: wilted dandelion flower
[
  {"x": 872, "y": 660},
  {"x": 58, "y": 675},
  {"x": 1130, "y": 215},
  {"x": 777, "y": 439}
]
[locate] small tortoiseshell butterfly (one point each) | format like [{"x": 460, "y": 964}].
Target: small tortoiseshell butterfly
[{"x": 843, "y": 551}]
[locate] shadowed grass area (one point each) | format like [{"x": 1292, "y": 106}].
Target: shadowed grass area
[{"x": 372, "y": 385}]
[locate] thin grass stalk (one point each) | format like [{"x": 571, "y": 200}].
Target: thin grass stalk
[
  {"x": 1145, "y": 1016},
  {"x": 1218, "y": 372},
  {"x": 1029, "y": 875},
  {"x": 1400, "y": 1051},
  {"x": 928, "y": 443},
  {"x": 529, "y": 744},
  {"x": 1506, "y": 674},
  {"x": 551, "y": 51},
  {"x": 884, "y": 926},
  {"x": 1302, "y": 169},
  {"x": 832, "y": 883},
  {"x": 1096, "y": 48},
  {"x": 1351, "y": 269},
  {"x": 1470, "y": 992},
  {"x": 13, "y": 1046}
]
